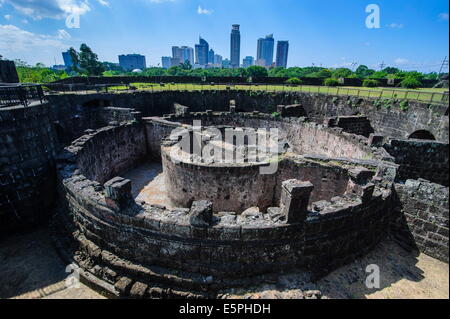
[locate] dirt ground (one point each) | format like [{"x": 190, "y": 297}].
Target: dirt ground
[{"x": 31, "y": 269}]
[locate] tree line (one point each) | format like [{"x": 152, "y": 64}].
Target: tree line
[{"x": 86, "y": 63}]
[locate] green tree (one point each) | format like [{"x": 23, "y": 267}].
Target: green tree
[
  {"x": 363, "y": 72},
  {"x": 89, "y": 61},
  {"x": 341, "y": 73},
  {"x": 255, "y": 71}
]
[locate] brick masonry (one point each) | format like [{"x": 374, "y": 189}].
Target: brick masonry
[{"x": 421, "y": 217}]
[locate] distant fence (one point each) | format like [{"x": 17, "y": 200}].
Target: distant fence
[
  {"x": 92, "y": 80},
  {"x": 20, "y": 94},
  {"x": 381, "y": 93}
]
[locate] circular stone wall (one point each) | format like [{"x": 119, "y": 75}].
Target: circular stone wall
[{"x": 127, "y": 244}]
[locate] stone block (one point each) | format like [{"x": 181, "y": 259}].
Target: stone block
[
  {"x": 360, "y": 175},
  {"x": 201, "y": 214},
  {"x": 123, "y": 285},
  {"x": 138, "y": 290},
  {"x": 118, "y": 193},
  {"x": 376, "y": 140},
  {"x": 295, "y": 197}
]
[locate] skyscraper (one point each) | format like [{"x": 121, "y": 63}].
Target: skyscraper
[
  {"x": 248, "y": 61},
  {"x": 201, "y": 52},
  {"x": 166, "y": 63},
  {"x": 218, "y": 60},
  {"x": 183, "y": 54},
  {"x": 211, "y": 54},
  {"x": 235, "y": 54},
  {"x": 225, "y": 63},
  {"x": 265, "y": 50},
  {"x": 131, "y": 62},
  {"x": 282, "y": 53}
]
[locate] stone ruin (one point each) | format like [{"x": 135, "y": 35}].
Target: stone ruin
[{"x": 339, "y": 189}]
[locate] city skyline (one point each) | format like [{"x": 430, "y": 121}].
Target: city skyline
[{"x": 412, "y": 36}]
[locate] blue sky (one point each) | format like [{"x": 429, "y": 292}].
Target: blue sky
[{"x": 413, "y": 34}]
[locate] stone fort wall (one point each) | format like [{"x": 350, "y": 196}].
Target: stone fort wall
[
  {"x": 151, "y": 244},
  {"x": 386, "y": 117}
]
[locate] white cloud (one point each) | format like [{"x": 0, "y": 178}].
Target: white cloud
[
  {"x": 396, "y": 26},
  {"x": 7, "y": 16},
  {"x": 443, "y": 16},
  {"x": 401, "y": 61},
  {"x": 14, "y": 40},
  {"x": 104, "y": 3},
  {"x": 55, "y": 9},
  {"x": 201, "y": 10}
]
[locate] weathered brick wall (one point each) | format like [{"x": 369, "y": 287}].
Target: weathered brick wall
[
  {"x": 28, "y": 145},
  {"x": 303, "y": 137},
  {"x": 359, "y": 125},
  {"x": 386, "y": 118},
  {"x": 420, "y": 159},
  {"x": 151, "y": 243},
  {"x": 115, "y": 149},
  {"x": 335, "y": 238},
  {"x": 421, "y": 218}
]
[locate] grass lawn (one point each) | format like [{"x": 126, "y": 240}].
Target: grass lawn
[{"x": 426, "y": 95}]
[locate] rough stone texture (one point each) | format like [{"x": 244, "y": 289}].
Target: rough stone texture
[
  {"x": 420, "y": 159},
  {"x": 294, "y": 202},
  {"x": 421, "y": 218},
  {"x": 230, "y": 249},
  {"x": 27, "y": 178},
  {"x": 391, "y": 121},
  {"x": 115, "y": 149},
  {"x": 159, "y": 248},
  {"x": 118, "y": 193},
  {"x": 201, "y": 214},
  {"x": 8, "y": 72},
  {"x": 359, "y": 125}
]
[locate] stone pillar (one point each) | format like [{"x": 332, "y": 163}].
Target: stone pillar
[
  {"x": 118, "y": 193},
  {"x": 232, "y": 106},
  {"x": 281, "y": 110},
  {"x": 201, "y": 214},
  {"x": 359, "y": 183},
  {"x": 295, "y": 197}
]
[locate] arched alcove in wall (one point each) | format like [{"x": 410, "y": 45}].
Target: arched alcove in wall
[{"x": 422, "y": 135}]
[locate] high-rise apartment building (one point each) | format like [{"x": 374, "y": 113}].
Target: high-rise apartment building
[
  {"x": 218, "y": 60},
  {"x": 211, "y": 55},
  {"x": 248, "y": 61},
  {"x": 166, "y": 62},
  {"x": 235, "y": 52},
  {"x": 131, "y": 62},
  {"x": 226, "y": 63},
  {"x": 282, "y": 53},
  {"x": 183, "y": 54},
  {"x": 201, "y": 52},
  {"x": 265, "y": 50}
]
